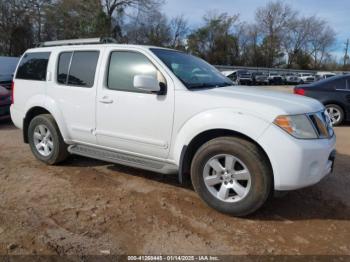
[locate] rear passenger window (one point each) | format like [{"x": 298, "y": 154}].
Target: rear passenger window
[
  {"x": 340, "y": 83},
  {"x": 33, "y": 66},
  {"x": 77, "y": 68}
]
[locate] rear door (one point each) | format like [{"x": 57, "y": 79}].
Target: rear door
[
  {"x": 341, "y": 92},
  {"x": 346, "y": 95},
  {"x": 74, "y": 90}
]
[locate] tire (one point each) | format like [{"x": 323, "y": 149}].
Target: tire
[
  {"x": 44, "y": 133},
  {"x": 336, "y": 113},
  {"x": 251, "y": 158}
]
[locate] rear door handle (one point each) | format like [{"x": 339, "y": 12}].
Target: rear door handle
[{"x": 106, "y": 100}]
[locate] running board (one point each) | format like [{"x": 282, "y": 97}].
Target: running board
[{"x": 123, "y": 159}]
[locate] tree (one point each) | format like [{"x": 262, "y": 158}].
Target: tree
[
  {"x": 215, "y": 41},
  {"x": 115, "y": 11},
  {"x": 273, "y": 20},
  {"x": 179, "y": 30},
  {"x": 296, "y": 38},
  {"x": 322, "y": 38},
  {"x": 16, "y": 33},
  {"x": 74, "y": 19},
  {"x": 148, "y": 29}
]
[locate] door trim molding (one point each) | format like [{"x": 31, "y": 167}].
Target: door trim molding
[{"x": 150, "y": 142}]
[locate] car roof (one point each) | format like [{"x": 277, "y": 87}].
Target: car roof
[{"x": 331, "y": 79}]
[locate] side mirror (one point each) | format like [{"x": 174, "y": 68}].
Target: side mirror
[{"x": 146, "y": 83}]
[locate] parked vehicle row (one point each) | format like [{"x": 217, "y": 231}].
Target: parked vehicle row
[
  {"x": 170, "y": 112},
  {"x": 240, "y": 77},
  {"x": 244, "y": 77}
]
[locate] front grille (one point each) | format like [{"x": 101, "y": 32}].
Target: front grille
[{"x": 322, "y": 124}]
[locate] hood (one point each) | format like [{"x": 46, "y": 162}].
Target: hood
[{"x": 259, "y": 102}]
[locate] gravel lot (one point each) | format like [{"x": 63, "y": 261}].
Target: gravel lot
[{"x": 91, "y": 207}]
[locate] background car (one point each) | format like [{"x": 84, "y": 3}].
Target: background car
[
  {"x": 334, "y": 93},
  {"x": 275, "y": 78},
  {"x": 7, "y": 68},
  {"x": 323, "y": 75},
  {"x": 306, "y": 78},
  {"x": 260, "y": 78},
  {"x": 5, "y": 102},
  {"x": 290, "y": 79},
  {"x": 241, "y": 77}
]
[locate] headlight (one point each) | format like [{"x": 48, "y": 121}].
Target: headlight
[{"x": 298, "y": 126}]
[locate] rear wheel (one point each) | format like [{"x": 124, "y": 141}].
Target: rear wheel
[
  {"x": 45, "y": 140},
  {"x": 336, "y": 114},
  {"x": 232, "y": 175}
]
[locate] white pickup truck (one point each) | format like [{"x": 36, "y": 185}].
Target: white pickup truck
[
  {"x": 170, "y": 112},
  {"x": 306, "y": 78}
]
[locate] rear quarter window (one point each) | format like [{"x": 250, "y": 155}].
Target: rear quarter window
[{"x": 33, "y": 66}]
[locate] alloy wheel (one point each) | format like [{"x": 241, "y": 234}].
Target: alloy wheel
[
  {"x": 334, "y": 114},
  {"x": 43, "y": 141},
  {"x": 227, "y": 178}
]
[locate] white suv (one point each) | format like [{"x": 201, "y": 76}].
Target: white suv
[{"x": 170, "y": 112}]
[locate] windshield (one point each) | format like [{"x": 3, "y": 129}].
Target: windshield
[{"x": 192, "y": 71}]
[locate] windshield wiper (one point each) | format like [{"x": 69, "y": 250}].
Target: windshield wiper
[{"x": 208, "y": 85}]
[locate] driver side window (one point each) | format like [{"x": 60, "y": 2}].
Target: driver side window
[{"x": 124, "y": 65}]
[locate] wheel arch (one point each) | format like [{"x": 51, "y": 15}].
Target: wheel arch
[
  {"x": 340, "y": 104},
  {"x": 35, "y": 111},
  {"x": 188, "y": 151}
]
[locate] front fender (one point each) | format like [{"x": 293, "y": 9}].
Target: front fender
[{"x": 229, "y": 119}]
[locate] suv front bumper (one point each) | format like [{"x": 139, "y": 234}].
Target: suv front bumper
[{"x": 297, "y": 163}]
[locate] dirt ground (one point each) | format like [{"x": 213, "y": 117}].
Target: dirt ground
[{"x": 91, "y": 207}]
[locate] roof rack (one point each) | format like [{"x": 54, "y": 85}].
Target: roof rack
[{"x": 83, "y": 41}]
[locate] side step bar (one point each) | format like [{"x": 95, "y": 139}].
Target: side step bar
[{"x": 123, "y": 159}]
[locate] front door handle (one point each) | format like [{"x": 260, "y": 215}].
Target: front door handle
[{"x": 106, "y": 100}]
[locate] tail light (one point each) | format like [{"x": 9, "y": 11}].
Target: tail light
[
  {"x": 299, "y": 91},
  {"x": 12, "y": 93}
]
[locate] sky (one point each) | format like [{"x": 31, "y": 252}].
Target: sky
[{"x": 336, "y": 12}]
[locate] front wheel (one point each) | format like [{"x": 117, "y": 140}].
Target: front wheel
[
  {"x": 336, "y": 114},
  {"x": 45, "y": 140},
  {"x": 232, "y": 175}
]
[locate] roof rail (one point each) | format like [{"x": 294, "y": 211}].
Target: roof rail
[{"x": 83, "y": 41}]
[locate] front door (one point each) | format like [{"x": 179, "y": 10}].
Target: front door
[{"x": 129, "y": 119}]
